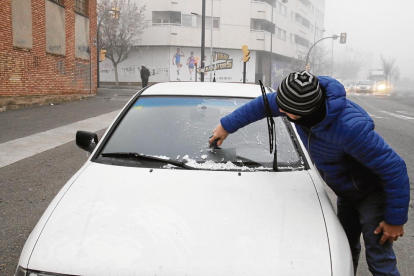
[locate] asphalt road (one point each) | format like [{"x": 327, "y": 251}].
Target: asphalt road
[{"x": 28, "y": 186}]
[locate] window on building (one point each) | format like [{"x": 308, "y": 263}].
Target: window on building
[
  {"x": 81, "y": 6},
  {"x": 281, "y": 8},
  {"x": 319, "y": 14},
  {"x": 301, "y": 41},
  {"x": 306, "y": 3},
  {"x": 216, "y": 22},
  {"x": 281, "y": 34},
  {"x": 22, "y": 24},
  {"x": 303, "y": 21},
  {"x": 188, "y": 20},
  {"x": 270, "y": 2},
  {"x": 166, "y": 17},
  {"x": 60, "y": 2},
  {"x": 262, "y": 25}
]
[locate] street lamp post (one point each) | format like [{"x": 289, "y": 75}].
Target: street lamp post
[
  {"x": 116, "y": 11},
  {"x": 307, "y": 56},
  {"x": 211, "y": 41},
  {"x": 314, "y": 51},
  {"x": 203, "y": 37}
]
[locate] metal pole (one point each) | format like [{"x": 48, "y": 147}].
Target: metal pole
[
  {"x": 203, "y": 37},
  {"x": 211, "y": 41},
  {"x": 97, "y": 54},
  {"x": 307, "y": 56},
  {"x": 346, "y": 62},
  {"x": 244, "y": 72},
  {"x": 332, "y": 59},
  {"x": 271, "y": 51},
  {"x": 314, "y": 51}
]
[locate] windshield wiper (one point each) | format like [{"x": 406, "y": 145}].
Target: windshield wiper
[
  {"x": 141, "y": 156},
  {"x": 270, "y": 126}
]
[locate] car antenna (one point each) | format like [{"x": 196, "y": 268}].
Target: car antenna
[{"x": 270, "y": 126}]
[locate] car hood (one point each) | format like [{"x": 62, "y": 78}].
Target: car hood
[{"x": 117, "y": 220}]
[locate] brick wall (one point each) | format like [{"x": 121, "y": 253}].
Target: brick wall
[{"x": 36, "y": 73}]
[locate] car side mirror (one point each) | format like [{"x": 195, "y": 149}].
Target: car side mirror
[{"x": 86, "y": 140}]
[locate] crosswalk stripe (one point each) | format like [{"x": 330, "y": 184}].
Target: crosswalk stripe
[{"x": 18, "y": 149}]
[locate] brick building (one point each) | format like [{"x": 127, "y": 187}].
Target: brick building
[{"x": 47, "y": 51}]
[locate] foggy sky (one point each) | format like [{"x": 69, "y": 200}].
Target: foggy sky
[{"x": 377, "y": 26}]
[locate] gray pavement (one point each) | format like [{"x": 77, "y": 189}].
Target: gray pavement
[
  {"x": 24, "y": 122},
  {"x": 28, "y": 186}
]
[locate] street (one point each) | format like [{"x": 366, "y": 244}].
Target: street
[{"x": 28, "y": 185}]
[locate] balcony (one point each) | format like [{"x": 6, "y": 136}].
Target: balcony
[{"x": 261, "y": 10}]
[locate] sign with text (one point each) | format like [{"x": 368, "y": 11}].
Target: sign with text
[{"x": 226, "y": 65}]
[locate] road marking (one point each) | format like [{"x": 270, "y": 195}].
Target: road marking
[
  {"x": 406, "y": 113},
  {"x": 16, "y": 150},
  {"x": 376, "y": 117},
  {"x": 398, "y": 115}
]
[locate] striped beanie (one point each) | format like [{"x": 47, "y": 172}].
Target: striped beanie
[{"x": 299, "y": 94}]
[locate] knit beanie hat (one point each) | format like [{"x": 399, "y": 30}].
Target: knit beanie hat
[{"x": 299, "y": 94}]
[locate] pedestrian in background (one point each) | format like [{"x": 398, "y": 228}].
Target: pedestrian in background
[
  {"x": 368, "y": 176},
  {"x": 145, "y": 74}
]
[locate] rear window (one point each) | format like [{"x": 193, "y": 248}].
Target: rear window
[{"x": 179, "y": 128}]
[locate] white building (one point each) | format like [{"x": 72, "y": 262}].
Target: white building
[{"x": 290, "y": 27}]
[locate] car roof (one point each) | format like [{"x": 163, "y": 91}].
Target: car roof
[{"x": 204, "y": 89}]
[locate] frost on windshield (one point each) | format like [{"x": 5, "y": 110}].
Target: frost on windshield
[{"x": 179, "y": 128}]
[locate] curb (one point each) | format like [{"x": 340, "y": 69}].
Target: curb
[{"x": 8, "y": 103}]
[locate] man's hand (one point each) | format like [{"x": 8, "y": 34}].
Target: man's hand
[
  {"x": 219, "y": 133},
  {"x": 390, "y": 232}
]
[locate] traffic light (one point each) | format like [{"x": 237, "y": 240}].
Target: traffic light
[
  {"x": 116, "y": 13},
  {"x": 102, "y": 57},
  {"x": 246, "y": 53},
  {"x": 342, "y": 40}
]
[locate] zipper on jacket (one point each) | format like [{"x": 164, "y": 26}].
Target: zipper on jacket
[
  {"x": 309, "y": 136},
  {"x": 353, "y": 181}
]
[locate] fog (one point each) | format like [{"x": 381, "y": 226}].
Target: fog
[{"x": 373, "y": 27}]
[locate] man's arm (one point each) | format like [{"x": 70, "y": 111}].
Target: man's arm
[
  {"x": 173, "y": 59},
  {"x": 251, "y": 112}
]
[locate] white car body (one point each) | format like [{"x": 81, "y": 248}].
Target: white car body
[{"x": 115, "y": 220}]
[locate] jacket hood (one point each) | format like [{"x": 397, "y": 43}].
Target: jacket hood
[{"x": 335, "y": 100}]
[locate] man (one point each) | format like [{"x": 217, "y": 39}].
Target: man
[
  {"x": 176, "y": 60},
  {"x": 369, "y": 177},
  {"x": 145, "y": 74}
]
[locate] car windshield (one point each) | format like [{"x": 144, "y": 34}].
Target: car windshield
[{"x": 178, "y": 128}]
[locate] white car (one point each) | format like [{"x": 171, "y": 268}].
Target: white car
[{"x": 155, "y": 199}]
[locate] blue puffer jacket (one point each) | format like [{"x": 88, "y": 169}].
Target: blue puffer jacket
[{"x": 352, "y": 158}]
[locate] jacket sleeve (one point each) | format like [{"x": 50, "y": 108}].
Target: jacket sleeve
[
  {"x": 371, "y": 150},
  {"x": 251, "y": 112}
]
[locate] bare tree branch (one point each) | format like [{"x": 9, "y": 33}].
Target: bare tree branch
[
  {"x": 387, "y": 65},
  {"x": 118, "y": 37}
]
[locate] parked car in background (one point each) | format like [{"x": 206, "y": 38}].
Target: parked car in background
[
  {"x": 365, "y": 86},
  {"x": 349, "y": 86},
  {"x": 155, "y": 199}
]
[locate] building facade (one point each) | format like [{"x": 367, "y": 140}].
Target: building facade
[
  {"x": 47, "y": 51},
  {"x": 278, "y": 34}
]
